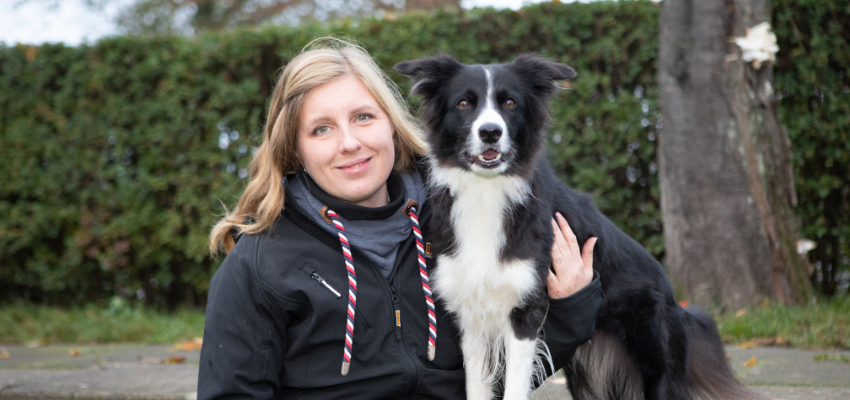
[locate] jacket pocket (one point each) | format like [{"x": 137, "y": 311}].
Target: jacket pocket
[
  {"x": 314, "y": 275},
  {"x": 359, "y": 319},
  {"x": 318, "y": 278}
]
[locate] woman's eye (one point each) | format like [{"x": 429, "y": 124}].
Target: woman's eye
[
  {"x": 463, "y": 104},
  {"x": 363, "y": 117},
  {"x": 510, "y": 103},
  {"x": 322, "y": 130}
]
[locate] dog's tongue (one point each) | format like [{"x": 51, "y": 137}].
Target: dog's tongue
[{"x": 490, "y": 154}]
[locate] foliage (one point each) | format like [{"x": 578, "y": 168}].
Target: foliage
[
  {"x": 813, "y": 76},
  {"x": 118, "y": 154},
  {"x": 823, "y": 324},
  {"x": 117, "y": 323}
]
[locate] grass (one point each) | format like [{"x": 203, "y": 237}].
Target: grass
[
  {"x": 32, "y": 324},
  {"x": 822, "y": 325}
]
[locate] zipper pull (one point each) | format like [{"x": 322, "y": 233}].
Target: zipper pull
[
  {"x": 324, "y": 283},
  {"x": 397, "y": 314}
]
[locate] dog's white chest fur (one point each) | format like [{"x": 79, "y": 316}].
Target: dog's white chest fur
[
  {"x": 481, "y": 289},
  {"x": 474, "y": 279}
]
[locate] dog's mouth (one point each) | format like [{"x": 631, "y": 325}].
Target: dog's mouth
[{"x": 490, "y": 158}]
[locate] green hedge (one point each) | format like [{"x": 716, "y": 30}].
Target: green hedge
[
  {"x": 813, "y": 75},
  {"x": 116, "y": 156}
]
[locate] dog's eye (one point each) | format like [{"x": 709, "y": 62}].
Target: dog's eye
[
  {"x": 510, "y": 103},
  {"x": 463, "y": 104}
]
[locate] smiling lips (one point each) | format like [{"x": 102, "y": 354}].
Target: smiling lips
[{"x": 356, "y": 166}]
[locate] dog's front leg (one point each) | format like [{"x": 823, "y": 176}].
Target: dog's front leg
[
  {"x": 475, "y": 351},
  {"x": 519, "y": 364},
  {"x": 521, "y": 345}
]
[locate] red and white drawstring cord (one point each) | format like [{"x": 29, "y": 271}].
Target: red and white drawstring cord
[
  {"x": 426, "y": 283},
  {"x": 352, "y": 290},
  {"x": 352, "y": 287}
]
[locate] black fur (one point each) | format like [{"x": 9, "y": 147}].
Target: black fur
[{"x": 666, "y": 345}]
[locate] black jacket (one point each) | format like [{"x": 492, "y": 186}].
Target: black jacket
[{"x": 273, "y": 331}]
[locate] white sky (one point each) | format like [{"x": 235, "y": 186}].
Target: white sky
[{"x": 71, "y": 22}]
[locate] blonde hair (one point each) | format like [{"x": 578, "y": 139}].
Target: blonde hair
[{"x": 323, "y": 60}]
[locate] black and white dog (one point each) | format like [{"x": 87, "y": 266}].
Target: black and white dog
[{"x": 493, "y": 194}]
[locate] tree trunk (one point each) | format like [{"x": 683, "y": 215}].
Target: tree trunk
[{"x": 727, "y": 190}]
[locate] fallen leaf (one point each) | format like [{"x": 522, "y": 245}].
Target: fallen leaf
[
  {"x": 748, "y": 345},
  {"x": 74, "y": 352},
  {"x": 4, "y": 354},
  {"x": 751, "y": 362},
  {"x": 189, "y": 345},
  {"x": 728, "y": 357},
  {"x": 820, "y": 357},
  {"x": 683, "y": 303},
  {"x": 740, "y": 313},
  {"x": 176, "y": 360},
  {"x": 151, "y": 360}
]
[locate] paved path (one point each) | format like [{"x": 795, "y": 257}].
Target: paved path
[{"x": 132, "y": 372}]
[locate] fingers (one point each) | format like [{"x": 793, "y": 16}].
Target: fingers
[
  {"x": 559, "y": 247},
  {"x": 570, "y": 238},
  {"x": 587, "y": 254},
  {"x": 553, "y": 286}
]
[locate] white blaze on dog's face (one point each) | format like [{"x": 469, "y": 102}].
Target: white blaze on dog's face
[
  {"x": 485, "y": 119},
  {"x": 489, "y": 138}
]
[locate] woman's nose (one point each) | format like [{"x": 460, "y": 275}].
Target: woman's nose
[{"x": 349, "y": 143}]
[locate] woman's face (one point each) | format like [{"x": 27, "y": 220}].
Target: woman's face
[{"x": 345, "y": 141}]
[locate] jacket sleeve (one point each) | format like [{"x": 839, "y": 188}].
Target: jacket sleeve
[
  {"x": 241, "y": 354},
  {"x": 571, "y": 322}
]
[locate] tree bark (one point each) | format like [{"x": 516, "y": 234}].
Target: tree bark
[{"x": 727, "y": 190}]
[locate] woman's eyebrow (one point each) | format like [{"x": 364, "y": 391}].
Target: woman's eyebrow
[
  {"x": 317, "y": 120},
  {"x": 361, "y": 109}
]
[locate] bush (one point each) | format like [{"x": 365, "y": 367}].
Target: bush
[
  {"x": 812, "y": 75},
  {"x": 119, "y": 155}
]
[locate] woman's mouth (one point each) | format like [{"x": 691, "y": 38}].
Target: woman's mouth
[{"x": 355, "y": 166}]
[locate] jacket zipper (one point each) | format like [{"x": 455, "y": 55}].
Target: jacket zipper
[
  {"x": 315, "y": 275},
  {"x": 413, "y": 367},
  {"x": 397, "y": 314}
]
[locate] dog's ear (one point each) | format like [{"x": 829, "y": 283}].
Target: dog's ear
[
  {"x": 432, "y": 69},
  {"x": 534, "y": 65}
]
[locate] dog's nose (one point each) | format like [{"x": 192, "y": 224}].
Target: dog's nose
[{"x": 490, "y": 133}]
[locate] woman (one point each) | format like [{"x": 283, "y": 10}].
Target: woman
[{"x": 324, "y": 272}]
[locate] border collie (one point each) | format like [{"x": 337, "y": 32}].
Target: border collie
[{"x": 493, "y": 193}]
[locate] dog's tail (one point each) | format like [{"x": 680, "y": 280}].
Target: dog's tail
[{"x": 709, "y": 373}]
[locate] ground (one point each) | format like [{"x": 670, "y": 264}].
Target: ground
[{"x": 134, "y": 372}]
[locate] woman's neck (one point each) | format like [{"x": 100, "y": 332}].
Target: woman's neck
[
  {"x": 387, "y": 200},
  {"x": 379, "y": 199}
]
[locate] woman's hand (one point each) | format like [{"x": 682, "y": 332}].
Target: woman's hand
[{"x": 573, "y": 270}]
